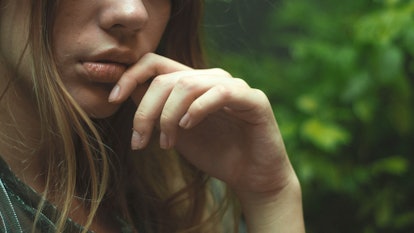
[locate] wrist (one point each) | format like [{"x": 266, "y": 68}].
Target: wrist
[{"x": 278, "y": 211}]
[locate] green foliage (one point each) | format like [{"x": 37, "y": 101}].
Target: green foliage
[{"x": 340, "y": 76}]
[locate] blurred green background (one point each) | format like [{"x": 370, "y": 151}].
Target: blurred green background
[{"x": 340, "y": 75}]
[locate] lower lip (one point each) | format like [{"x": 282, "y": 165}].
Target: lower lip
[{"x": 104, "y": 72}]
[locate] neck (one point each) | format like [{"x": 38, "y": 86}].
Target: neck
[{"x": 20, "y": 135}]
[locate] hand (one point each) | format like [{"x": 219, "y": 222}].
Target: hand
[{"x": 217, "y": 122}]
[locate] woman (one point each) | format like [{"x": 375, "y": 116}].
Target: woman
[{"x": 77, "y": 76}]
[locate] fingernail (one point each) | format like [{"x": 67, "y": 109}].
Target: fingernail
[
  {"x": 114, "y": 93},
  {"x": 136, "y": 141},
  {"x": 164, "y": 141},
  {"x": 185, "y": 121}
]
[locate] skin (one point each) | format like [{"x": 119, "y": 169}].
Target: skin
[
  {"x": 222, "y": 126},
  {"x": 95, "y": 31},
  {"x": 104, "y": 51}
]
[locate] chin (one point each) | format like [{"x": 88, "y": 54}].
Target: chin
[
  {"x": 95, "y": 103},
  {"x": 101, "y": 111}
]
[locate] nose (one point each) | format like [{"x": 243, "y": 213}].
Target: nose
[{"x": 126, "y": 16}]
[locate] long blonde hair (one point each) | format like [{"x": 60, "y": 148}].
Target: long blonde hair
[{"x": 80, "y": 147}]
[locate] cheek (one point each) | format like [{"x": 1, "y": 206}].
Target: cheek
[
  {"x": 66, "y": 41},
  {"x": 73, "y": 27}
]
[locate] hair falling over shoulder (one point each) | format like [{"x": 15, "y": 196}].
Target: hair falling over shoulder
[{"x": 175, "y": 198}]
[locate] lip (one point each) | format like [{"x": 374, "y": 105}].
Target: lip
[
  {"x": 105, "y": 72},
  {"x": 108, "y": 66}
]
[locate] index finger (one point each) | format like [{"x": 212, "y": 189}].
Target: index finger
[{"x": 149, "y": 66}]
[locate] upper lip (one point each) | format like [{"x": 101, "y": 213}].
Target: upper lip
[{"x": 124, "y": 57}]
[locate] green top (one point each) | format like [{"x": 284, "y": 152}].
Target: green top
[{"x": 18, "y": 208}]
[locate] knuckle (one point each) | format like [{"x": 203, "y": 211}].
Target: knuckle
[
  {"x": 261, "y": 99},
  {"x": 148, "y": 57},
  {"x": 260, "y": 95},
  {"x": 186, "y": 83},
  {"x": 161, "y": 80},
  {"x": 141, "y": 116},
  {"x": 221, "y": 72},
  {"x": 157, "y": 81},
  {"x": 197, "y": 106},
  {"x": 223, "y": 91},
  {"x": 165, "y": 117},
  {"x": 166, "y": 121},
  {"x": 240, "y": 82}
]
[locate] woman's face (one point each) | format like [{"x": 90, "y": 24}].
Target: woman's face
[{"x": 95, "y": 41}]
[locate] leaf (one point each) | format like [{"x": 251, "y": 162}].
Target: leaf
[
  {"x": 382, "y": 27},
  {"x": 307, "y": 104},
  {"x": 396, "y": 165},
  {"x": 357, "y": 86},
  {"x": 388, "y": 63},
  {"x": 326, "y": 136},
  {"x": 364, "y": 109}
]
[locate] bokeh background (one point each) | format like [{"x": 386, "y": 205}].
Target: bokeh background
[{"x": 340, "y": 75}]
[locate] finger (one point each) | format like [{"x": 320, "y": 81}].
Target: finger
[
  {"x": 139, "y": 93},
  {"x": 187, "y": 88},
  {"x": 149, "y": 66},
  {"x": 244, "y": 103},
  {"x": 149, "y": 110},
  {"x": 167, "y": 99}
]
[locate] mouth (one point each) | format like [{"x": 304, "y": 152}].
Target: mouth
[
  {"x": 107, "y": 66},
  {"x": 104, "y": 71}
]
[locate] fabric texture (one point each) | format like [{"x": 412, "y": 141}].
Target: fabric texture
[{"x": 18, "y": 208}]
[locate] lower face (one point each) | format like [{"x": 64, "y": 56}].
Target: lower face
[{"x": 94, "y": 42}]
